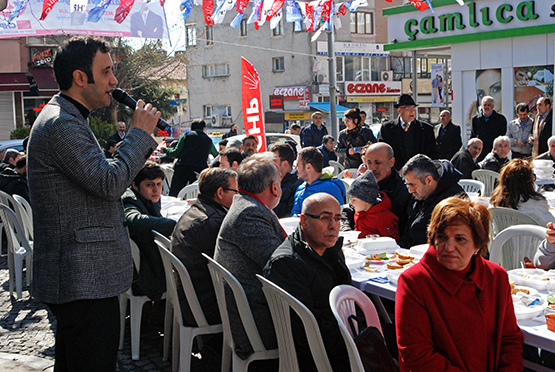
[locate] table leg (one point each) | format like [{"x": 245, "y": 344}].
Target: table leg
[{"x": 380, "y": 308}]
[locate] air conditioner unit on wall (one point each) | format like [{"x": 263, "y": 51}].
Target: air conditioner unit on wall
[
  {"x": 387, "y": 75},
  {"x": 216, "y": 120}
]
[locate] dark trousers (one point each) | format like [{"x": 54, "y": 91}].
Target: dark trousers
[
  {"x": 182, "y": 176},
  {"x": 87, "y": 335}
]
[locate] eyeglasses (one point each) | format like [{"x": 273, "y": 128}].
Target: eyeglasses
[
  {"x": 234, "y": 190},
  {"x": 325, "y": 217}
]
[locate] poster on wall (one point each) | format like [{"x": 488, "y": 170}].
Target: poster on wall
[
  {"x": 532, "y": 83},
  {"x": 438, "y": 90},
  {"x": 481, "y": 83},
  {"x": 145, "y": 19}
]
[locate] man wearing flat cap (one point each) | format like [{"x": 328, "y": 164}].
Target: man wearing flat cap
[{"x": 408, "y": 136}]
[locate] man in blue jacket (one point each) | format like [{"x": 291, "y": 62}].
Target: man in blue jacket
[
  {"x": 313, "y": 134},
  {"x": 309, "y": 169}
]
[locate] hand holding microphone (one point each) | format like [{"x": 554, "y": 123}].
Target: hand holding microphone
[{"x": 122, "y": 97}]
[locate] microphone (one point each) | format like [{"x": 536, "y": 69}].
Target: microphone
[{"x": 122, "y": 97}]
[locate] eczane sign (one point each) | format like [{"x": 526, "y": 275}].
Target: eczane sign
[{"x": 372, "y": 88}]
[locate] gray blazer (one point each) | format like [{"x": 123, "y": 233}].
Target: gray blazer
[
  {"x": 81, "y": 247},
  {"x": 250, "y": 233}
]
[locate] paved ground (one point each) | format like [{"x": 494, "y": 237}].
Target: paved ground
[{"x": 27, "y": 337}]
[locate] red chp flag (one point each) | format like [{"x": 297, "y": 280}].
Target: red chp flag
[{"x": 253, "y": 118}]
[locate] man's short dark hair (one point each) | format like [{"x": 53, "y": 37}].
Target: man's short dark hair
[
  {"x": 77, "y": 54},
  {"x": 22, "y": 162},
  {"x": 313, "y": 156},
  {"x": 150, "y": 171},
  {"x": 547, "y": 101},
  {"x": 422, "y": 167},
  {"x": 223, "y": 142},
  {"x": 521, "y": 107},
  {"x": 248, "y": 138},
  {"x": 327, "y": 138},
  {"x": 295, "y": 126},
  {"x": 363, "y": 112},
  {"x": 211, "y": 179},
  {"x": 10, "y": 154},
  {"x": 198, "y": 124},
  {"x": 285, "y": 152},
  {"x": 111, "y": 143},
  {"x": 232, "y": 154}
]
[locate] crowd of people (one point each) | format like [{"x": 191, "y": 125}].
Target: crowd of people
[{"x": 406, "y": 187}]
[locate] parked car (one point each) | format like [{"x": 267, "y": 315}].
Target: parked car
[{"x": 10, "y": 144}]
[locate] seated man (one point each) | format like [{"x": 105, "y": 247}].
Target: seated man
[
  {"x": 327, "y": 149},
  {"x": 289, "y": 181},
  {"x": 14, "y": 181},
  {"x": 549, "y": 155},
  {"x": 498, "y": 157},
  {"x": 309, "y": 169},
  {"x": 11, "y": 156},
  {"x": 230, "y": 158},
  {"x": 429, "y": 181},
  {"x": 196, "y": 233},
  {"x": 141, "y": 204},
  {"x": 111, "y": 146},
  {"x": 308, "y": 264},
  {"x": 249, "y": 235},
  {"x": 465, "y": 159}
]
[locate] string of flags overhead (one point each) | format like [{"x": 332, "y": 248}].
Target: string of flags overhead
[{"x": 317, "y": 15}]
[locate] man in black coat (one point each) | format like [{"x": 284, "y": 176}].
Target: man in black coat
[
  {"x": 408, "y": 136},
  {"x": 196, "y": 233},
  {"x": 429, "y": 182},
  {"x": 465, "y": 159},
  {"x": 448, "y": 136},
  {"x": 488, "y": 125},
  {"x": 543, "y": 126},
  {"x": 289, "y": 181},
  {"x": 308, "y": 265},
  {"x": 14, "y": 181},
  {"x": 119, "y": 135}
]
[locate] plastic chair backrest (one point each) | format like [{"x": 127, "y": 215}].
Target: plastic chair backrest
[
  {"x": 514, "y": 243},
  {"x": 23, "y": 210},
  {"x": 473, "y": 186},
  {"x": 188, "y": 192},
  {"x": 220, "y": 276},
  {"x": 487, "y": 177},
  {"x": 173, "y": 264},
  {"x": 135, "y": 254},
  {"x": 501, "y": 218},
  {"x": 353, "y": 171},
  {"x": 280, "y": 303},
  {"x": 9, "y": 200},
  {"x": 342, "y": 302},
  {"x": 17, "y": 238},
  {"x": 337, "y": 166}
]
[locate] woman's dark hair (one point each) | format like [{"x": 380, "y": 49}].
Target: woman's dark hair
[
  {"x": 354, "y": 114},
  {"x": 77, "y": 54},
  {"x": 458, "y": 210},
  {"x": 515, "y": 185}
]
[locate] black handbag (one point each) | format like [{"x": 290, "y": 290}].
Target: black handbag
[{"x": 372, "y": 349}]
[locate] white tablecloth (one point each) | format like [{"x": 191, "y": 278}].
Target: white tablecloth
[{"x": 173, "y": 207}]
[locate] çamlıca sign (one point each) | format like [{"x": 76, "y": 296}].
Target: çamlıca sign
[
  {"x": 372, "y": 88},
  {"x": 476, "y": 20}
]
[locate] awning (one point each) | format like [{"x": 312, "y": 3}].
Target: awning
[
  {"x": 46, "y": 82},
  {"x": 14, "y": 82},
  {"x": 325, "y": 107}
]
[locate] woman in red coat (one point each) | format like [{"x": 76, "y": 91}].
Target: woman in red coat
[{"x": 454, "y": 310}]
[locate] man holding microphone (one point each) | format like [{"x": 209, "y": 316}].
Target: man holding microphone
[{"x": 82, "y": 259}]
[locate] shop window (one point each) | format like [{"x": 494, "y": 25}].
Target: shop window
[
  {"x": 216, "y": 70},
  {"x": 244, "y": 29},
  {"x": 379, "y": 64},
  {"x": 209, "y": 35},
  {"x": 190, "y": 35},
  {"x": 278, "y": 64},
  {"x": 362, "y": 23}
]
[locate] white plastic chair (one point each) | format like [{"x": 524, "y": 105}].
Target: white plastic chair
[
  {"x": 342, "y": 302},
  {"x": 473, "y": 186},
  {"x": 19, "y": 249},
  {"x": 188, "y": 192},
  {"x": 353, "y": 171},
  {"x": 220, "y": 276},
  {"x": 514, "y": 243},
  {"x": 281, "y": 303},
  {"x": 487, "y": 177},
  {"x": 168, "y": 316},
  {"x": 168, "y": 171},
  {"x": 135, "y": 311},
  {"x": 183, "y": 336},
  {"x": 501, "y": 218},
  {"x": 19, "y": 210},
  {"x": 338, "y": 167}
]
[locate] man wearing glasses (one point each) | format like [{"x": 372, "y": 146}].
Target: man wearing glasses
[
  {"x": 196, "y": 233},
  {"x": 308, "y": 264},
  {"x": 408, "y": 136}
]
